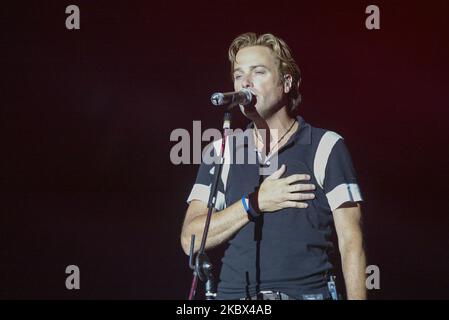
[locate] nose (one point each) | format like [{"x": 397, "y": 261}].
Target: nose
[{"x": 247, "y": 82}]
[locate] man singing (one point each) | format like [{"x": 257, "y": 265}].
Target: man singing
[{"x": 278, "y": 227}]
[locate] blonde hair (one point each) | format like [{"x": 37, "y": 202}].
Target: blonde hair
[{"x": 287, "y": 65}]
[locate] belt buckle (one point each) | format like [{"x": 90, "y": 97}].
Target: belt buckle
[{"x": 269, "y": 295}]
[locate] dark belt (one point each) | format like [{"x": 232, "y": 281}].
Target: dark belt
[{"x": 276, "y": 295}]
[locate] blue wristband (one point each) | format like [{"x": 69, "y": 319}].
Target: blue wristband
[
  {"x": 250, "y": 208},
  {"x": 245, "y": 204}
]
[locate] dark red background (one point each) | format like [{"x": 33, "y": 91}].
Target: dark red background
[{"x": 86, "y": 117}]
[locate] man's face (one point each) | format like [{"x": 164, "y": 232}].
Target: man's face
[{"x": 256, "y": 68}]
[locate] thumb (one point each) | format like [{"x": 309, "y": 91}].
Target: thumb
[{"x": 277, "y": 174}]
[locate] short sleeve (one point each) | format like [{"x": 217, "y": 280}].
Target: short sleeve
[
  {"x": 340, "y": 181},
  {"x": 334, "y": 171},
  {"x": 203, "y": 183}
]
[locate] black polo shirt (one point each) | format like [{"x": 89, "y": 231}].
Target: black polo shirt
[{"x": 287, "y": 250}]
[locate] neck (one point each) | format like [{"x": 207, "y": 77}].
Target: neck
[
  {"x": 270, "y": 132},
  {"x": 280, "y": 121}
]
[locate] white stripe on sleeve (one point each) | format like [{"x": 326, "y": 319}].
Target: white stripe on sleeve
[
  {"x": 327, "y": 142},
  {"x": 201, "y": 192},
  {"x": 343, "y": 193}
]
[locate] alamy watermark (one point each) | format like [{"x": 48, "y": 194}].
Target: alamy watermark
[
  {"x": 73, "y": 20},
  {"x": 372, "y": 22},
  {"x": 240, "y": 147},
  {"x": 73, "y": 280},
  {"x": 373, "y": 277}
]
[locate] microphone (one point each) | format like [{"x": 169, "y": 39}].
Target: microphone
[{"x": 242, "y": 97}]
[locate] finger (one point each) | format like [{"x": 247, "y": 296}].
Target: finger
[
  {"x": 300, "y": 196},
  {"x": 297, "y": 177},
  {"x": 277, "y": 174},
  {"x": 300, "y": 187},
  {"x": 294, "y": 204}
]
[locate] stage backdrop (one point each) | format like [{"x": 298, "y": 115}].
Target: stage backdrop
[{"x": 86, "y": 117}]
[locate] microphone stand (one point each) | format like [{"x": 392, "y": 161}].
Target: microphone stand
[{"x": 202, "y": 268}]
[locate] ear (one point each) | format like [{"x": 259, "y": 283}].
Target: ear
[{"x": 288, "y": 80}]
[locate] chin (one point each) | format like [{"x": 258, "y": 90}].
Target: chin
[
  {"x": 251, "y": 115},
  {"x": 264, "y": 113}
]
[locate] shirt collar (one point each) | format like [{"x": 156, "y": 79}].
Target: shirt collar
[
  {"x": 301, "y": 136},
  {"x": 304, "y": 134}
]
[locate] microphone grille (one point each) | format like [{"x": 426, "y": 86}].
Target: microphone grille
[
  {"x": 217, "y": 99},
  {"x": 248, "y": 96}
]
